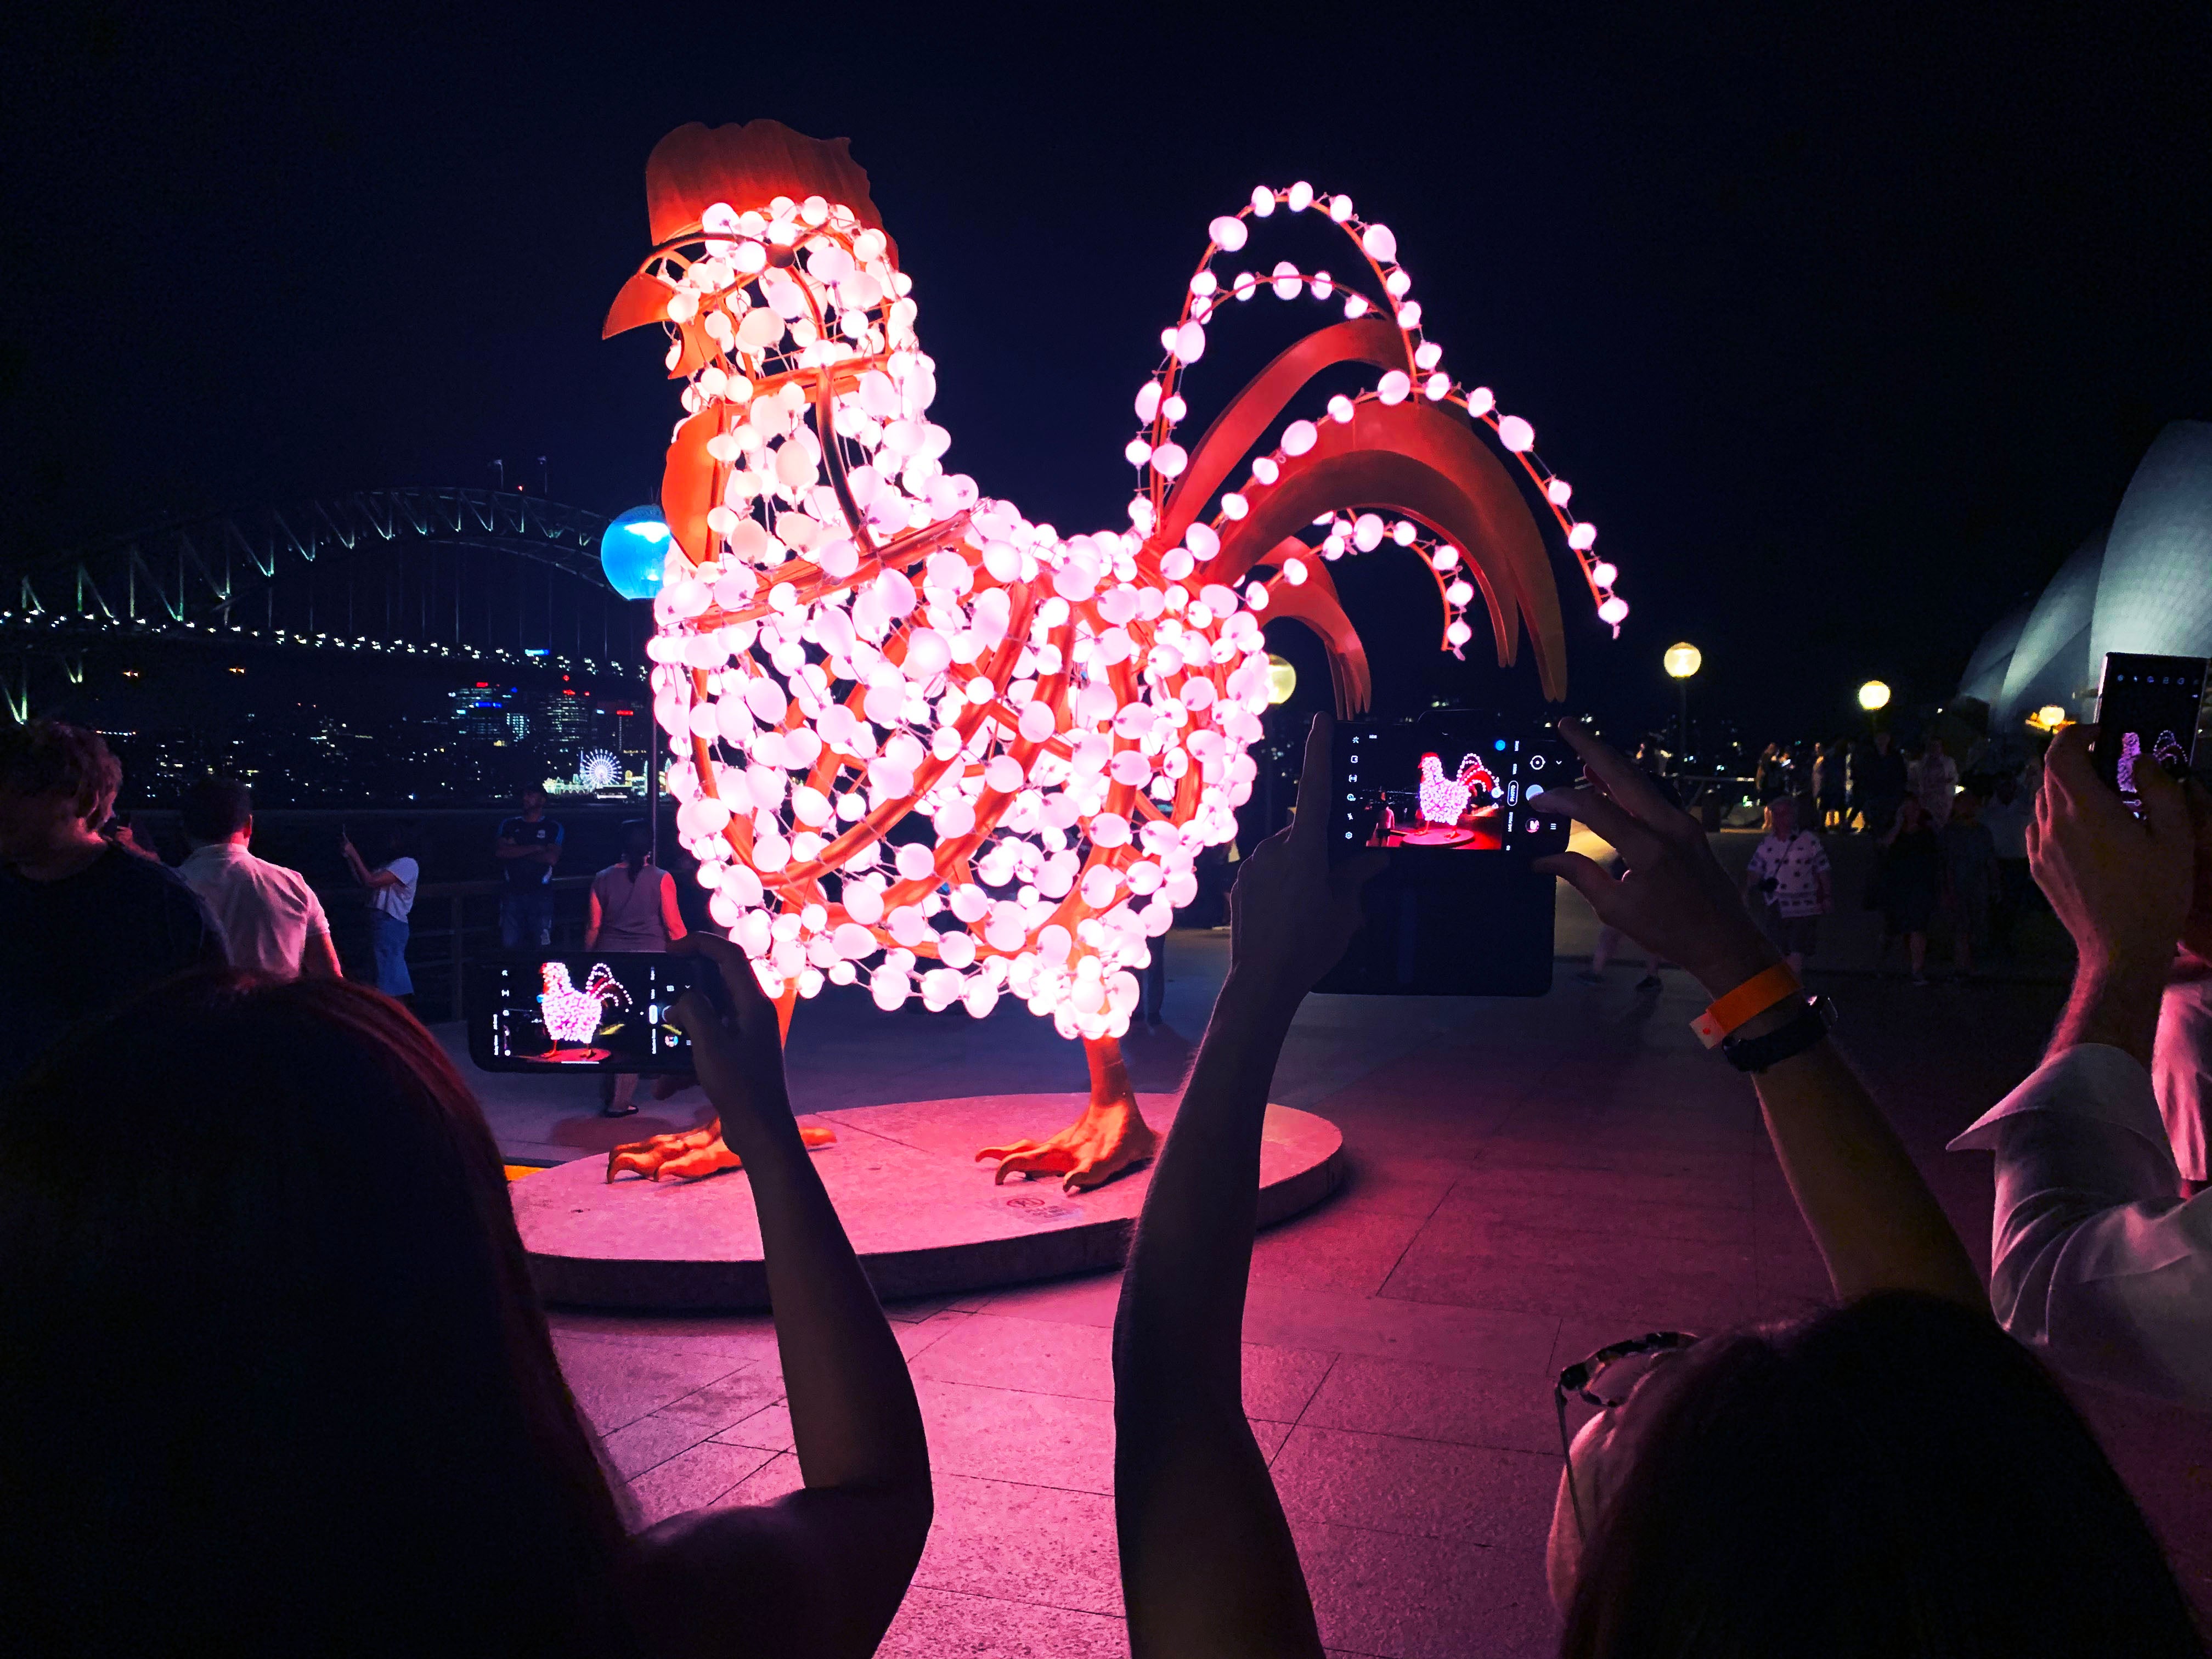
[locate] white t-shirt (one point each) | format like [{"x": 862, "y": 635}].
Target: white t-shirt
[
  {"x": 264, "y": 911},
  {"x": 1799, "y": 866},
  {"x": 397, "y": 902}
]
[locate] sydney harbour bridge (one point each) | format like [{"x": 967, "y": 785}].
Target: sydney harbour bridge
[{"x": 447, "y": 578}]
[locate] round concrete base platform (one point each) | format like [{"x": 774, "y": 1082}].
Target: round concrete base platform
[{"x": 922, "y": 1213}]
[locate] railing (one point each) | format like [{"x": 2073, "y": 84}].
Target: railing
[{"x": 451, "y": 921}]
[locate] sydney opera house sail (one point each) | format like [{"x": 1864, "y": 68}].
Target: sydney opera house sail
[{"x": 2144, "y": 584}]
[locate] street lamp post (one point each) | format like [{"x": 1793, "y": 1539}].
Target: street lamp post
[{"x": 1682, "y": 661}]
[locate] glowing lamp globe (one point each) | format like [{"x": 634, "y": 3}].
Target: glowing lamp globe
[
  {"x": 1282, "y": 679},
  {"x": 2049, "y": 718},
  {"x": 1683, "y": 661},
  {"x": 1874, "y": 695},
  {"x": 634, "y": 552}
]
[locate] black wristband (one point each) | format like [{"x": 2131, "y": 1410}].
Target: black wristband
[{"x": 1794, "y": 1036}]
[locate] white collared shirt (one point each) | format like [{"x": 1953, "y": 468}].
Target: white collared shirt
[
  {"x": 2098, "y": 1264},
  {"x": 265, "y": 912}
]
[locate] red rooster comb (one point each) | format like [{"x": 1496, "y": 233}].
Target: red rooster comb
[{"x": 747, "y": 165}]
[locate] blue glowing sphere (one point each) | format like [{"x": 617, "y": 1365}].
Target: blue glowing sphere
[{"x": 635, "y": 551}]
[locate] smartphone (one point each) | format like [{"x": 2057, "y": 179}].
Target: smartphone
[
  {"x": 2148, "y": 709},
  {"x": 599, "y": 1012},
  {"x": 1458, "y": 912}
]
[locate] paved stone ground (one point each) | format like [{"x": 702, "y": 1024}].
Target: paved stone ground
[{"x": 1531, "y": 1178}]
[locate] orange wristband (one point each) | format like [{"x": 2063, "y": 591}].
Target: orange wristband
[{"x": 1745, "y": 1003}]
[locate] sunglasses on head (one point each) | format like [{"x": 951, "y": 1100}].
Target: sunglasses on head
[{"x": 1580, "y": 1382}]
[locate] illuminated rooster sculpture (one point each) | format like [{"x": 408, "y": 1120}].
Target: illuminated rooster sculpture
[
  {"x": 1443, "y": 800},
  {"x": 922, "y": 741},
  {"x": 571, "y": 1015}
]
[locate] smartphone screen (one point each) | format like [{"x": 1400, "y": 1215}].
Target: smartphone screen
[
  {"x": 1458, "y": 912},
  {"x": 1449, "y": 782},
  {"x": 606, "y": 1011},
  {"x": 2148, "y": 709}
]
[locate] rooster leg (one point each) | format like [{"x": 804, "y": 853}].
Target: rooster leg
[
  {"x": 1110, "y": 1136},
  {"x": 693, "y": 1153}
]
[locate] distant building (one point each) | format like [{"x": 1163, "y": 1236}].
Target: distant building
[
  {"x": 486, "y": 711},
  {"x": 2142, "y": 584},
  {"x": 565, "y": 721}
]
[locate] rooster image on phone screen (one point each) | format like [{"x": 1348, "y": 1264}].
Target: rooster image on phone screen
[
  {"x": 574, "y": 1016},
  {"x": 1458, "y": 809}
]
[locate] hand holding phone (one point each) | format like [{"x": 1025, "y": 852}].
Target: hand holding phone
[
  {"x": 2120, "y": 878},
  {"x": 1292, "y": 911},
  {"x": 2148, "y": 709}
]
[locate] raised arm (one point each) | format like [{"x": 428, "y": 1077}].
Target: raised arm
[
  {"x": 1208, "y": 1567},
  {"x": 592, "y": 919},
  {"x": 1877, "y": 1226},
  {"x": 821, "y": 1571},
  {"x": 362, "y": 874},
  {"x": 671, "y": 919},
  {"x": 2096, "y": 1260}
]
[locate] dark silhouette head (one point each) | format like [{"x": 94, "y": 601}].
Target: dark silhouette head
[
  {"x": 275, "y": 1378},
  {"x": 56, "y": 781},
  {"x": 636, "y": 843},
  {"x": 1895, "y": 1478},
  {"x": 216, "y": 809}
]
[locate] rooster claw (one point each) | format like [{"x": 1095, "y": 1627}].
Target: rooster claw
[{"x": 693, "y": 1154}]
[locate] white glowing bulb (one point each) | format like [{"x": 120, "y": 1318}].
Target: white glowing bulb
[
  {"x": 1393, "y": 387},
  {"x": 1138, "y": 452},
  {"x": 1148, "y": 401},
  {"x": 1582, "y": 537},
  {"x": 1355, "y": 304},
  {"x": 1228, "y": 231},
  {"x": 1189, "y": 344},
  {"x": 1202, "y": 541},
  {"x": 1339, "y": 409},
  {"x": 1299, "y": 197},
  {"x": 1436, "y": 388},
  {"x": 1294, "y": 572},
  {"x": 1340, "y": 209},
  {"x": 1558, "y": 492},
  {"x": 1169, "y": 460},
  {"x": 1204, "y": 282},
  {"x": 1234, "y": 505},
  {"x": 1445, "y": 558},
  {"x": 1604, "y": 575},
  {"x": 1381, "y": 245},
  {"x": 1428, "y": 355},
  {"x": 1612, "y": 611},
  {"x": 1459, "y": 633},
  {"x": 1481, "y": 401},
  {"x": 1287, "y": 281},
  {"x": 1515, "y": 434},
  {"x": 1299, "y": 437}
]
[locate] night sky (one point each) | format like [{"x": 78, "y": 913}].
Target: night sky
[{"x": 1846, "y": 327}]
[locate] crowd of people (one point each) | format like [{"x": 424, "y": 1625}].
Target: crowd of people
[
  {"x": 275, "y": 1379},
  {"x": 1950, "y": 849}
]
